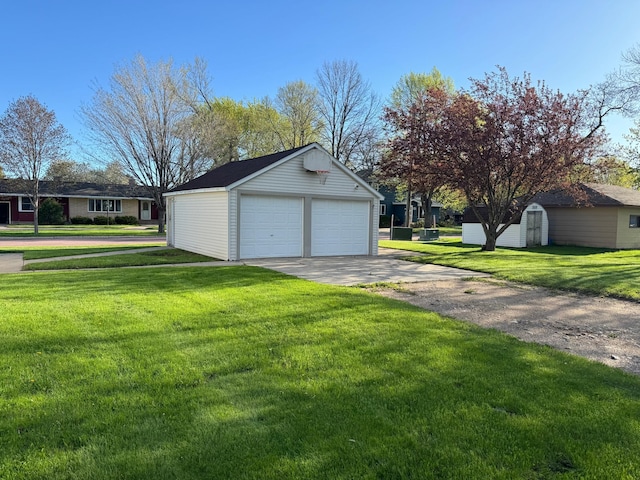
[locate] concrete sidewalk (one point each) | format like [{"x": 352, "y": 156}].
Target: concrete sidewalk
[
  {"x": 11, "y": 262},
  {"x": 386, "y": 267}
]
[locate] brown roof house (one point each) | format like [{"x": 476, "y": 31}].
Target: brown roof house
[
  {"x": 78, "y": 199},
  {"x": 608, "y": 218}
]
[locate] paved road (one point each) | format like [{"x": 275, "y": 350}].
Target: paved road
[{"x": 77, "y": 241}]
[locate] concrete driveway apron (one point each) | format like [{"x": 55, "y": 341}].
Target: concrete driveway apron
[{"x": 386, "y": 267}]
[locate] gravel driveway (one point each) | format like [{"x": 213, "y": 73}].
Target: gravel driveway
[{"x": 601, "y": 329}]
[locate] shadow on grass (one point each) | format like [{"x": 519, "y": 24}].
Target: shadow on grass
[{"x": 271, "y": 377}]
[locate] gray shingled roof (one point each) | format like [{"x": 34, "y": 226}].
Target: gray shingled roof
[
  {"x": 50, "y": 188},
  {"x": 597, "y": 195},
  {"x": 230, "y": 173}
]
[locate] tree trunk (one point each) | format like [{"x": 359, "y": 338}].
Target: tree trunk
[
  {"x": 408, "y": 211},
  {"x": 490, "y": 244},
  {"x": 35, "y": 202},
  {"x": 426, "y": 208},
  {"x": 161, "y": 219},
  {"x": 36, "y": 227}
]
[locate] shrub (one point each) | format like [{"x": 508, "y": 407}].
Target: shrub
[
  {"x": 385, "y": 221},
  {"x": 81, "y": 221},
  {"x": 127, "y": 220},
  {"x": 50, "y": 212},
  {"x": 104, "y": 220}
]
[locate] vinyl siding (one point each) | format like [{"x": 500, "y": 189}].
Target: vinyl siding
[
  {"x": 291, "y": 177},
  {"x": 201, "y": 224},
  {"x": 234, "y": 225},
  {"x": 374, "y": 226},
  {"x": 627, "y": 237},
  {"x": 588, "y": 226}
]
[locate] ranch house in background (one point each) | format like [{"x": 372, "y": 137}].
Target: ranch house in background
[{"x": 78, "y": 199}]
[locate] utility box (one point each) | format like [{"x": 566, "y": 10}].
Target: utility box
[
  {"x": 401, "y": 233},
  {"x": 429, "y": 234}
]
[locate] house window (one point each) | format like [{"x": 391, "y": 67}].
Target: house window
[
  {"x": 383, "y": 208},
  {"x": 634, "y": 221},
  {"x": 25, "y": 204},
  {"x": 105, "y": 205}
]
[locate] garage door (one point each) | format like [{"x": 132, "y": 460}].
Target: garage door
[
  {"x": 270, "y": 226},
  {"x": 339, "y": 227}
]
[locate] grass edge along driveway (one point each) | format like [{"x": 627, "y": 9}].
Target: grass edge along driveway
[
  {"x": 586, "y": 270},
  {"x": 195, "y": 373}
]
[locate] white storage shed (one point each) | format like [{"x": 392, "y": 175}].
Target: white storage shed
[
  {"x": 297, "y": 203},
  {"x": 531, "y": 230}
]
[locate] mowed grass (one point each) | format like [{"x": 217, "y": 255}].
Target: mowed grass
[
  {"x": 39, "y": 252},
  {"x": 580, "y": 269},
  {"x": 79, "y": 231},
  {"x": 130, "y": 259},
  {"x": 239, "y": 372}
]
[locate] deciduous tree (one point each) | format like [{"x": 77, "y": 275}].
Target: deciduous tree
[
  {"x": 141, "y": 121},
  {"x": 413, "y": 86},
  {"x": 297, "y": 103},
  {"x": 615, "y": 171},
  {"x": 506, "y": 140},
  {"x": 30, "y": 140},
  {"x": 414, "y": 107},
  {"x": 349, "y": 109}
]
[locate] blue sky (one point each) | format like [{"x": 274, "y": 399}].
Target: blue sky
[{"x": 55, "y": 49}]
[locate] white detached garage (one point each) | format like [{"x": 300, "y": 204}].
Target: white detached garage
[{"x": 297, "y": 203}]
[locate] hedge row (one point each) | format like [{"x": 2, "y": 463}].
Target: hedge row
[{"x": 104, "y": 220}]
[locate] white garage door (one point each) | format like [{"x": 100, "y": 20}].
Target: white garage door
[
  {"x": 339, "y": 227},
  {"x": 270, "y": 226}
]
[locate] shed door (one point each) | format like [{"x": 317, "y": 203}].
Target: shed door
[
  {"x": 339, "y": 227},
  {"x": 534, "y": 229},
  {"x": 270, "y": 226}
]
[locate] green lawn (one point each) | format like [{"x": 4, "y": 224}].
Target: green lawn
[
  {"x": 238, "y": 372},
  {"x": 131, "y": 259},
  {"x": 445, "y": 231},
  {"x": 79, "y": 231},
  {"x": 39, "y": 252},
  {"x": 587, "y": 270}
]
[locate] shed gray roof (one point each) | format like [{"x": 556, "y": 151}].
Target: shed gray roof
[
  {"x": 597, "y": 195},
  {"x": 51, "y": 188},
  {"x": 230, "y": 173}
]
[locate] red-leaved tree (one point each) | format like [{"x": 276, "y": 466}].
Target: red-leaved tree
[
  {"x": 501, "y": 143},
  {"x": 507, "y": 140},
  {"x": 412, "y": 149}
]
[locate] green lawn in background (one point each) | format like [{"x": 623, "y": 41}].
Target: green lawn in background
[
  {"x": 239, "y": 372},
  {"x": 79, "y": 231},
  {"x": 39, "y": 252},
  {"x": 581, "y": 269},
  {"x": 131, "y": 259}
]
